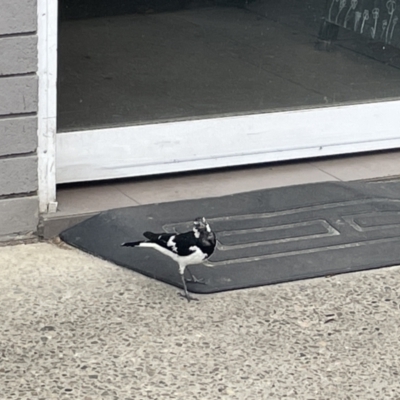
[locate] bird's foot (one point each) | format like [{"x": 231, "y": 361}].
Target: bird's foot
[
  {"x": 188, "y": 297},
  {"x": 193, "y": 279}
]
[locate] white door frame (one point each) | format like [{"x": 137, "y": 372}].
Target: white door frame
[
  {"x": 196, "y": 144},
  {"x": 47, "y": 12}
]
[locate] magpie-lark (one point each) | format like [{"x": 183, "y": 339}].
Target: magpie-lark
[{"x": 187, "y": 248}]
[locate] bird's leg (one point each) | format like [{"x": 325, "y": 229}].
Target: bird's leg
[
  {"x": 193, "y": 279},
  {"x": 186, "y": 295}
]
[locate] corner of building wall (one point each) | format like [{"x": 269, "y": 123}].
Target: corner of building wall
[{"x": 19, "y": 183}]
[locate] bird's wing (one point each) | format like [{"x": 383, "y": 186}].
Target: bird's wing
[
  {"x": 159, "y": 238},
  {"x": 180, "y": 244},
  {"x": 186, "y": 243}
]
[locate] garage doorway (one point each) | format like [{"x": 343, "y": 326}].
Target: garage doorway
[{"x": 148, "y": 87}]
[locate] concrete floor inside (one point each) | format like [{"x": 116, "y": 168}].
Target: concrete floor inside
[{"x": 212, "y": 61}]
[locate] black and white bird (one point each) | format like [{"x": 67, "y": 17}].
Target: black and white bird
[{"x": 187, "y": 248}]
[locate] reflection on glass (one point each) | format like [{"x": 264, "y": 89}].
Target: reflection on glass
[{"x": 125, "y": 62}]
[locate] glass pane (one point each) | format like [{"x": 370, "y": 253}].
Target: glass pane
[{"x": 124, "y": 62}]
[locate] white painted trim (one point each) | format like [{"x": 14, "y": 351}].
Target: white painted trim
[
  {"x": 47, "y": 106},
  {"x": 220, "y": 142}
]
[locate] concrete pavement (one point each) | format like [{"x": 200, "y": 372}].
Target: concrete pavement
[{"x": 76, "y": 327}]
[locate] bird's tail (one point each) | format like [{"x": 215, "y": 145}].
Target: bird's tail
[
  {"x": 131, "y": 244},
  {"x": 148, "y": 235},
  {"x": 151, "y": 235}
]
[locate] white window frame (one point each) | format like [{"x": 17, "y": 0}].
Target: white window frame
[{"x": 47, "y": 12}]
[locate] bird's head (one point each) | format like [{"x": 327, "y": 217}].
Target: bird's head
[{"x": 200, "y": 225}]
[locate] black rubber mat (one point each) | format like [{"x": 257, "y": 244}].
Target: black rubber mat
[{"x": 264, "y": 237}]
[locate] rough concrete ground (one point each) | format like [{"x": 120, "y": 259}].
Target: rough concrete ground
[{"x": 77, "y": 327}]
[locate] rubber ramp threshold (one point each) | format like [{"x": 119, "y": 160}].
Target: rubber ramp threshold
[{"x": 264, "y": 237}]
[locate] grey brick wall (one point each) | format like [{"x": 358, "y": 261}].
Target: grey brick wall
[{"x": 18, "y": 118}]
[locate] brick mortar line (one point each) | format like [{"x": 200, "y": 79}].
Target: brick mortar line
[
  {"x": 18, "y": 195},
  {"x": 18, "y": 155},
  {"x": 17, "y": 115},
  {"x": 18, "y": 34},
  {"x": 22, "y": 74}
]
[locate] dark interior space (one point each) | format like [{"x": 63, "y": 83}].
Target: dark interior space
[
  {"x": 78, "y": 9},
  {"x": 133, "y": 62}
]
